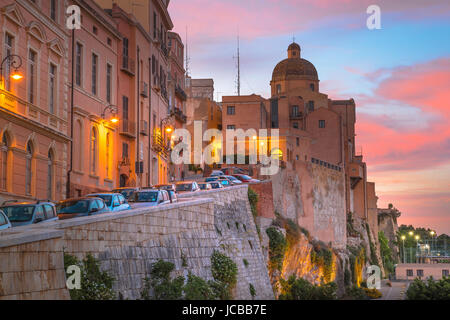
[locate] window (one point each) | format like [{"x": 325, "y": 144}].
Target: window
[
  {"x": 28, "y": 168},
  {"x": 419, "y": 272},
  {"x": 125, "y": 53},
  {"x": 297, "y": 157},
  {"x": 322, "y": 124},
  {"x": 274, "y": 113},
  {"x": 4, "y": 148},
  {"x": 295, "y": 111},
  {"x": 109, "y": 42},
  {"x": 278, "y": 88},
  {"x": 50, "y": 174},
  {"x": 78, "y": 61},
  {"x": 297, "y": 140},
  {"x": 231, "y": 110},
  {"x": 124, "y": 150},
  {"x": 32, "y": 76},
  {"x": 125, "y": 113},
  {"x": 49, "y": 211},
  {"x": 77, "y": 147},
  {"x": 94, "y": 73},
  {"x": 312, "y": 87},
  {"x": 40, "y": 213},
  {"x": 311, "y": 106},
  {"x": 52, "y": 87},
  {"x": 2, "y": 220},
  {"x": 108, "y": 82},
  {"x": 231, "y": 127},
  {"x": 53, "y": 9},
  {"x": 94, "y": 30},
  {"x": 94, "y": 147},
  {"x": 9, "y": 40},
  {"x": 295, "y": 125},
  {"x": 409, "y": 273},
  {"x": 445, "y": 273}
]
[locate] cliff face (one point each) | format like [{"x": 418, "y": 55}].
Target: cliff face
[{"x": 387, "y": 222}]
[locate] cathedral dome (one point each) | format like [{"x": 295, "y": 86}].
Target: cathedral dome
[{"x": 294, "y": 67}]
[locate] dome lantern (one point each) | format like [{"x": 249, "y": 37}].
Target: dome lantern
[{"x": 294, "y": 51}]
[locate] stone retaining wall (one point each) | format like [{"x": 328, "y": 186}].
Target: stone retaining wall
[{"x": 127, "y": 243}]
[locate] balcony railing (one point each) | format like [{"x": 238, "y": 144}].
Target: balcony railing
[
  {"x": 144, "y": 89},
  {"x": 164, "y": 50},
  {"x": 144, "y": 128},
  {"x": 180, "y": 93},
  {"x": 296, "y": 115},
  {"x": 178, "y": 113},
  {"x": 128, "y": 65},
  {"x": 128, "y": 128},
  {"x": 159, "y": 146}
]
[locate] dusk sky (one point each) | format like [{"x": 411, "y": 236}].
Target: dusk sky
[{"x": 399, "y": 77}]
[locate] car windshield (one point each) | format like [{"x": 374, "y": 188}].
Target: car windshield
[
  {"x": 184, "y": 187},
  {"x": 125, "y": 192},
  {"x": 72, "y": 206},
  {"x": 232, "y": 178},
  {"x": 144, "y": 197},
  {"x": 105, "y": 197},
  {"x": 19, "y": 213},
  {"x": 211, "y": 179},
  {"x": 202, "y": 186},
  {"x": 246, "y": 177},
  {"x": 215, "y": 185}
]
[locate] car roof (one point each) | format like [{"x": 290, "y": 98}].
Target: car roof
[
  {"x": 82, "y": 198},
  {"x": 25, "y": 203},
  {"x": 127, "y": 188},
  {"x": 185, "y": 182}
]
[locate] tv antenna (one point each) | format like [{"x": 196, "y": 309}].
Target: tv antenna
[
  {"x": 187, "y": 59},
  {"x": 238, "y": 58}
]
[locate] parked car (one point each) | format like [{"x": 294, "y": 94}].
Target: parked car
[
  {"x": 126, "y": 192},
  {"x": 204, "y": 186},
  {"x": 232, "y": 170},
  {"x": 4, "y": 221},
  {"x": 187, "y": 186},
  {"x": 216, "y": 185},
  {"x": 26, "y": 213},
  {"x": 210, "y": 179},
  {"x": 114, "y": 201},
  {"x": 216, "y": 173},
  {"x": 233, "y": 180},
  {"x": 225, "y": 182},
  {"x": 80, "y": 207},
  {"x": 149, "y": 198},
  {"x": 244, "y": 178}
]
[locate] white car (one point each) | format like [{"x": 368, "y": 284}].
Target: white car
[
  {"x": 148, "y": 198},
  {"x": 4, "y": 221}
]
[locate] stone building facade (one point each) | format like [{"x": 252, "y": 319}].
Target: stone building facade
[{"x": 34, "y": 118}]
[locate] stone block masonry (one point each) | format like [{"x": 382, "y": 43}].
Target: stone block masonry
[{"x": 127, "y": 243}]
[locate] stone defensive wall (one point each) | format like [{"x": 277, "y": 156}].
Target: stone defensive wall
[{"x": 127, "y": 243}]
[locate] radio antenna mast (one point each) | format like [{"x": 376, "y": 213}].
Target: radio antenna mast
[
  {"x": 238, "y": 58},
  {"x": 187, "y": 54}
]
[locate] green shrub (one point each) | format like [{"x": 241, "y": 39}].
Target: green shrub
[
  {"x": 224, "y": 272},
  {"x": 160, "y": 283},
  {"x": 386, "y": 253},
  {"x": 299, "y": 289},
  {"x": 197, "y": 288},
  {"x": 277, "y": 248},
  {"x": 429, "y": 290},
  {"x": 372, "y": 293},
  {"x": 356, "y": 293},
  {"x": 323, "y": 256},
  {"x": 252, "y": 290},
  {"x": 95, "y": 284},
  {"x": 245, "y": 262},
  {"x": 253, "y": 199}
]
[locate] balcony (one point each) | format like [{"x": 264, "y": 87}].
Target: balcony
[
  {"x": 128, "y": 128},
  {"x": 178, "y": 113},
  {"x": 156, "y": 83},
  {"x": 296, "y": 116},
  {"x": 144, "y": 128},
  {"x": 128, "y": 65},
  {"x": 356, "y": 173},
  {"x": 144, "y": 89},
  {"x": 164, "y": 50},
  {"x": 180, "y": 93},
  {"x": 157, "y": 35}
]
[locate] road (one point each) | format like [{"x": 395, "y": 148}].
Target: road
[{"x": 396, "y": 292}]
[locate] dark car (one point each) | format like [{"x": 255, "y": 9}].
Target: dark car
[
  {"x": 126, "y": 192},
  {"x": 171, "y": 189},
  {"x": 187, "y": 186},
  {"x": 80, "y": 207},
  {"x": 244, "y": 178},
  {"x": 216, "y": 184},
  {"x": 210, "y": 179},
  {"x": 26, "y": 213}
]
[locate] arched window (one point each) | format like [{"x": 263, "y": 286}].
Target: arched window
[
  {"x": 4, "y": 148},
  {"x": 28, "y": 168},
  {"x": 94, "y": 149},
  {"x": 108, "y": 146},
  {"x": 50, "y": 174}
]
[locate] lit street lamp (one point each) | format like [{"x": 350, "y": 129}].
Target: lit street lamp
[
  {"x": 403, "y": 240},
  {"x": 14, "y": 61},
  {"x": 113, "y": 109}
]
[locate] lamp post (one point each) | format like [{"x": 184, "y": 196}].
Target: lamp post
[
  {"x": 403, "y": 240},
  {"x": 417, "y": 243},
  {"x": 432, "y": 234},
  {"x": 14, "y": 61}
]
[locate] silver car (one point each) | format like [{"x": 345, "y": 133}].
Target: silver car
[
  {"x": 148, "y": 198},
  {"x": 4, "y": 222}
]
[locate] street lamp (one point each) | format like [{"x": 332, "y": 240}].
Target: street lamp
[
  {"x": 403, "y": 237},
  {"x": 113, "y": 109},
  {"x": 417, "y": 244},
  {"x": 14, "y": 61}
]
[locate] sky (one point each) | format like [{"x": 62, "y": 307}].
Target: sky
[{"x": 399, "y": 76}]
